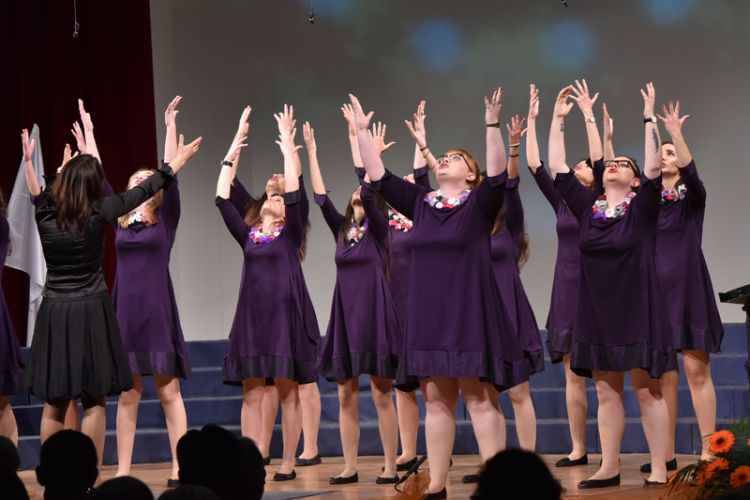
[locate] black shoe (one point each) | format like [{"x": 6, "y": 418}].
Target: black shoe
[
  {"x": 599, "y": 483},
  {"x": 305, "y": 462},
  {"x": 566, "y": 462},
  {"x": 173, "y": 483},
  {"x": 671, "y": 465},
  {"x": 285, "y": 477},
  {"x": 267, "y": 460},
  {"x": 354, "y": 478},
  {"x": 406, "y": 465},
  {"x": 440, "y": 495},
  {"x": 470, "y": 478},
  {"x": 387, "y": 480},
  {"x": 647, "y": 483}
]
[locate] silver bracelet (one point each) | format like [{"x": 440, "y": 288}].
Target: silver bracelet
[{"x": 514, "y": 145}]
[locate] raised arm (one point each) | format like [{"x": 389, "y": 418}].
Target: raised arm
[
  {"x": 532, "y": 144},
  {"x": 673, "y": 123},
  {"x": 88, "y": 131},
  {"x": 228, "y": 167},
  {"x": 316, "y": 178},
  {"x": 27, "y": 148},
  {"x": 419, "y": 119},
  {"x": 293, "y": 226},
  {"x": 348, "y": 112},
  {"x": 369, "y": 153},
  {"x": 609, "y": 127},
  {"x": 515, "y": 132},
  {"x": 652, "y": 157},
  {"x": 377, "y": 222},
  {"x": 557, "y": 164},
  {"x": 586, "y": 104},
  {"x": 497, "y": 162},
  {"x": 286, "y": 123},
  {"x": 170, "y": 120},
  {"x": 419, "y": 134}
]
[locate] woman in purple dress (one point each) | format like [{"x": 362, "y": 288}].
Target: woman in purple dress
[
  {"x": 620, "y": 323},
  {"x": 272, "y": 335},
  {"x": 457, "y": 334},
  {"x": 146, "y": 308},
  {"x": 400, "y": 259},
  {"x": 684, "y": 280},
  {"x": 363, "y": 335},
  {"x": 77, "y": 351},
  {"x": 11, "y": 366}
]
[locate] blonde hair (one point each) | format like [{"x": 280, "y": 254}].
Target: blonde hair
[{"x": 151, "y": 206}]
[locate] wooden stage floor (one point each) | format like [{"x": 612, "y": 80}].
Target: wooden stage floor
[{"x": 316, "y": 479}]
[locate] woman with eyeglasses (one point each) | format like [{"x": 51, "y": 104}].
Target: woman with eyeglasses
[
  {"x": 620, "y": 323},
  {"x": 272, "y": 335},
  {"x": 457, "y": 334},
  {"x": 685, "y": 282}
]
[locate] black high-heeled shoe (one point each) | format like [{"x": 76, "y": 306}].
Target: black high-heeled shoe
[
  {"x": 354, "y": 478},
  {"x": 285, "y": 477},
  {"x": 599, "y": 483},
  {"x": 440, "y": 495}
]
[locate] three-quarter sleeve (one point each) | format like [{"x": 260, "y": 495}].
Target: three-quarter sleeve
[
  {"x": 170, "y": 209},
  {"x": 696, "y": 191},
  {"x": 547, "y": 187},
  {"x": 116, "y": 205},
  {"x": 400, "y": 194},
  {"x": 648, "y": 201},
  {"x": 332, "y": 216},
  {"x": 239, "y": 197},
  {"x": 578, "y": 198},
  {"x": 598, "y": 176},
  {"x": 294, "y": 227},
  {"x": 233, "y": 220},
  {"x": 514, "y": 217},
  {"x": 304, "y": 211},
  {"x": 491, "y": 194},
  {"x": 377, "y": 222},
  {"x": 422, "y": 177}
]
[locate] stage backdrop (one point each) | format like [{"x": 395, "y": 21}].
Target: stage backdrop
[{"x": 223, "y": 55}]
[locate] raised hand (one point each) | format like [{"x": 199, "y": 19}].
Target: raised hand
[
  {"x": 361, "y": 119},
  {"x": 79, "y": 137},
  {"x": 348, "y": 112},
  {"x": 580, "y": 94},
  {"x": 533, "y": 102},
  {"x": 286, "y": 143},
  {"x": 67, "y": 156},
  {"x": 515, "y": 129},
  {"x": 184, "y": 153},
  {"x": 308, "y": 133},
  {"x": 239, "y": 142},
  {"x": 378, "y": 137},
  {"x": 88, "y": 124},
  {"x": 562, "y": 106},
  {"x": 671, "y": 118},
  {"x": 419, "y": 117},
  {"x": 492, "y": 106},
  {"x": 609, "y": 123},
  {"x": 170, "y": 115},
  {"x": 285, "y": 120},
  {"x": 27, "y": 147},
  {"x": 649, "y": 98}
]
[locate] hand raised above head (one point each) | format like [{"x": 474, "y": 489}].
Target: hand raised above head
[
  {"x": 79, "y": 137},
  {"x": 492, "y": 106},
  {"x": 27, "y": 147},
  {"x": 348, "y": 112},
  {"x": 609, "y": 123},
  {"x": 285, "y": 120},
  {"x": 516, "y": 129},
  {"x": 88, "y": 124},
  {"x": 671, "y": 118},
  {"x": 649, "y": 99},
  {"x": 308, "y": 133},
  {"x": 361, "y": 120},
  {"x": 377, "y": 132},
  {"x": 170, "y": 115},
  {"x": 533, "y": 102},
  {"x": 562, "y": 106},
  {"x": 580, "y": 94}
]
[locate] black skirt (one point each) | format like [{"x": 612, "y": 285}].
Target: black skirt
[{"x": 77, "y": 352}]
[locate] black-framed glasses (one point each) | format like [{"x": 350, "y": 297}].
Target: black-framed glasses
[{"x": 451, "y": 157}]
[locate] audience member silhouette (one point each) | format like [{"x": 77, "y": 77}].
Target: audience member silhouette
[
  {"x": 210, "y": 457},
  {"x": 123, "y": 488},
  {"x": 516, "y": 474},
  {"x": 67, "y": 466},
  {"x": 192, "y": 492}
]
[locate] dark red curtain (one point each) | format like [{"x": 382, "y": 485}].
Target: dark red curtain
[{"x": 45, "y": 70}]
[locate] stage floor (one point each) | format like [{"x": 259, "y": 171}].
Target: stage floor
[{"x": 316, "y": 479}]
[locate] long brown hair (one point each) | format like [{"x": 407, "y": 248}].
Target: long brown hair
[
  {"x": 151, "y": 206},
  {"x": 523, "y": 255},
  {"x": 472, "y": 163},
  {"x": 349, "y": 216},
  {"x": 75, "y": 191},
  {"x": 253, "y": 219}
]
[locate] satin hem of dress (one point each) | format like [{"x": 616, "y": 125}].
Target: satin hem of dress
[
  {"x": 586, "y": 358},
  {"x": 359, "y": 363},
  {"x": 558, "y": 343},
  {"x": 535, "y": 360},
  {"x": 688, "y": 338},
  {"x": 159, "y": 363},
  {"x": 236, "y": 370},
  {"x": 503, "y": 374}
]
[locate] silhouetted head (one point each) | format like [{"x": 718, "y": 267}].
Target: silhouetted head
[{"x": 67, "y": 465}]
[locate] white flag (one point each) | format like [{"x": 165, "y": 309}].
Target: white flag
[{"x": 27, "y": 255}]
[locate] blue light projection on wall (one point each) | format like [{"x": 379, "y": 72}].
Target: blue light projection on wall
[
  {"x": 438, "y": 43},
  {"x": 668, "y": 11},
  {"x": 568, "y": 45}
]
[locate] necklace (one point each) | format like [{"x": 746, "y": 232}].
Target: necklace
[
  {"x": 261, "y": 237},
  {"x": 135, "y": 217},
  {"x": 673, "y": 194},
  {"x": 601, "y": 211},
  {"x": 437, "y": 200},
  {"x": 399, "y": 221},
  {"x": 355, "y": 233}
]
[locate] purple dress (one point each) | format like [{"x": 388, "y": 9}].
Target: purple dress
[
  {"x": 683, "y": 275},
  {"x": 456, "y": 326},
  {"x": 274, "y": 332},
  {"x": 363, "y": 335},
  {"x": 564, "y": 302},
  {"x": 143, "y": 294},
  {"x": 505, "y": 250},
  {"x": 11, "y": 367},
  {"x": 620, "y": 321}
]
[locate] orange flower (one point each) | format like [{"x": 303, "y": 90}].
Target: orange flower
[
  {"x": 740, "y": 476},
  {"x": 721, "y": 442},
  {"x": 701, "y": 479},
  {"x": 716, "y": 466}
]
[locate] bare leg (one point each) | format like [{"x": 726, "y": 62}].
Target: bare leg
[
  {"x": 441, "y": 395},
  {"x": 480, "y": 400},
  {"x": 611, "y": 421},
  {"x": 698, "y": 373},
  {"x": 349, "y": 424},
  {"x": 669, "y": 388},
  {"x": 309, "y": 396},
  {"x": 408, "y": 424},
  {"x": 269, "y": 409},
  {"x": 127, "y": 418},
  {"x": 168, "y": 389},
  {"x": 291, "y": 421},
  {"x": 655, "y": 421},
  {"x": 94, "y": 423},
  {"x": 523, "y": 411},
  {"x": 575, "y": 401},
  {"x": 387, "y": 422},
  {"x": 72, "y": 416},
  {"x": 53, "y": 418},
  {"x": 8, "y": 427},
  {"x": 503, "y": 429},
  {"x": 250, "y": 415}
]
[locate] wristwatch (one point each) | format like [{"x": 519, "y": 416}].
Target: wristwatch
[
  {"x": 591, "y": 119},
  {"x": 651, "y": 119},
  {"x": 227, "y": 163}
]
